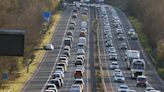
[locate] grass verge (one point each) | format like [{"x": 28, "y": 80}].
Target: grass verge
[
  {"x": 144, "y": 41},
  {"x": 18, "y": 84}
]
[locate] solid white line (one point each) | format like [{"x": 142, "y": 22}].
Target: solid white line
[{"x": 57, "y": 56}]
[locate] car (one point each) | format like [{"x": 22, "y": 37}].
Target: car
[
  {"x": 111, "y": 50},
  {"x": 109, "y": 44},
  {"x": 75, "y": 10},
  {"x": 50, "y": 85},
  {"x": 56, "y": 75},
  {"x": 84, "y": 24},
  {"x": 117, "y": 71},
  {"x": 119, "y": 77},
  {"x": 81, "y": 57},
  {"x": 66, "y": 52},
  {"x": 142, "y": 81},
  {"x": 73, "y": 22},
  {"x": 84, "y": 30},
  {"x": 79, "y": 62},
  {"x": 58, "y": 71},
  {"x": 59, "y": 68},
  {"x": 76, "y": 88},
  {"x": 63, "y": 59},
  {"x": 78, "y": 73},
  {"x": 114, "y": 65},
  {"x": 121, "y": 37},
  {"x": 48, "y": 47},
  {"x": 69, "y": 33},
  {"x": 113, "y": 56},
  {"x": 82, "y": 34},
  {"x": 134, "y": 36},
  {"x": 148, "y": 89},
  {"x": 63, "y": 65},
  {"x": 71, "y": 26},
  {"x": 131, "y": 31},
  {"x": 123, "y": 88},
  {"x": 74, "y": 15},
  {"x": 57, "y": 82},
  {"x": 119, "y": 31},
  {"x": 81, "y": 67},
  {"x": 67, "y": 48},
  {"x": 123, "y": 46},
  {"x": 50, "y": 90},
  {"x": 79, "y": 81},
  {"x": 80, "y": 52}
]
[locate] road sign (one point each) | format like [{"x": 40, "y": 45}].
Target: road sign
[
  {"x": 47, "y": 15},
  {"x": 5, "y": 76}
]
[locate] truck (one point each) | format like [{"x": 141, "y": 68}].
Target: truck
[
  {"x": 137, "y": 68},
  {"x": 130, "y": 55}
]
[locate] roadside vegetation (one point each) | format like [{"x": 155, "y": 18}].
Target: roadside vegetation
[
  {"x": 26, "y": 15},
  {"x": 147, "y": 18}
]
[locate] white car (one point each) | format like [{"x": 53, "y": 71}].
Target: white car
[
  {"x": 51, "y": 86},
  {"x": 80, "y": 52},
  {"x": 117, "y": 71},
  {"x": 123, "y": 88},
  {"x": 114, "y": 65},
  {"x": 113, "y": 56},
  {"x": 130, "y": 32},
  {"x": 119, "y": 77},
  {"x": 151, "y": 89},
  {"x": 76, "y": 88},
  {"x": 48, "y": 47},
  {"x": 111, "y": 50},
  {"x": 79, "y": 81},
  {"x": 58, "y": 71}
]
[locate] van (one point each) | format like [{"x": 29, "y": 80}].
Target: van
[{"x": 67, "y": 42}]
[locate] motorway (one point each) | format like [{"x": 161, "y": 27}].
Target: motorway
[
  {"x": 43, "y": 74},
  {"x": 153, "y": 79}
]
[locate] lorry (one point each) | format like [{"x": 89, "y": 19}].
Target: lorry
[
  {"x": 130, "y": 55},
  {"x": 137, "y": 67}
]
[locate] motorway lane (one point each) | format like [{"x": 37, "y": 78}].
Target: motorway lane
[
  {"x": 151, "y": 73},
  {"x": 128, "y": 81},
  {"x": 69, "y": 77},
  {"x": 36, "y": 83},
  {"x": 131, "y": 83}
]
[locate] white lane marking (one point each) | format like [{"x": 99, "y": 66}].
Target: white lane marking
[
  {"x": 106, "y": 59},
  {"x": 57, "y": 56},
  {"x": 34, "y": 73}
]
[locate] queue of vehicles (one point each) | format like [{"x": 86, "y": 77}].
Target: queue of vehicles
[
  {"x": 134, "y": 63},
  {"x": 57, "y": 77}
]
